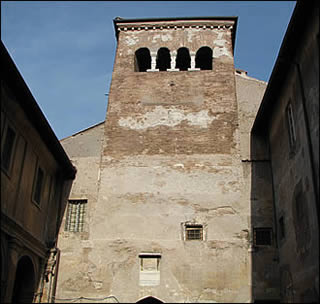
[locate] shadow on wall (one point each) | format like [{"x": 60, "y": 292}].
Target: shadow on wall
[{"x": 265, "y": 272}]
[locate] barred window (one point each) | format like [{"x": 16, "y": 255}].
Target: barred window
[
  {"x": 194, "y": 232},
  {"x": 75, "y": 215},
  {"x": 262, "y": 236}
]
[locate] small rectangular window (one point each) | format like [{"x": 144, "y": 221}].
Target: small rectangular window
[
  {"x": 149, "y": 269},
  {"x": 291, "y": 125},
  {"x": 75, "y": 215},
  {"x": 7, "y": 149},
  {"x": 38, "y": 186},
  {"x": 194, "y": 232},
  {"x": 262, "y": 236}
]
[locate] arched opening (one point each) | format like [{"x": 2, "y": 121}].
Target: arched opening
[
  {"x": 149, "y": 300},
  {"x": 163, "y": 59},
  {"x": 24, "y": 285},
  {"x": 183, "y": 61},
  {"x": 204, "y": 58},
  {"x": 142, "y": 60}
]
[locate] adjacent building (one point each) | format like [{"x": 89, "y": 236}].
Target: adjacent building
[
  {"x": 36, "y": 176},
  {"x": 285, "y": 148}
]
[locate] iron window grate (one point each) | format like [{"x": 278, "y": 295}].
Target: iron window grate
[
  {"x": 194, "y": 232},
  {"x": 75, "y": 215}
]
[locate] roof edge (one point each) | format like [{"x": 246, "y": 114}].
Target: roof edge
[{"x": 32, "y": 110}]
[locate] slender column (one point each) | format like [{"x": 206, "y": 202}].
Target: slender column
[
  {"x": 153, "y": 63},
  {"x": 173, "y": 62},
  {"x": 193, "y": 62}
]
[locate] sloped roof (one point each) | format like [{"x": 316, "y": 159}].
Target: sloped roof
[{"x": 24, "y": 97}]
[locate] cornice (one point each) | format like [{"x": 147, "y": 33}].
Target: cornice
[
  {"x": 21, "y": 236},
  {"x": 178, "y": 25}
]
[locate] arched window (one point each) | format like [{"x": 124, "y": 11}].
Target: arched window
[
  {"x": 163, "y": 59},
  {"x": 204, "y": 58},
  {"x": 142, "y": 60},
  {"x": 183, "y": 61}
]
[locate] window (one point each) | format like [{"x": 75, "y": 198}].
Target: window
[
  {"x": 142, "y": 60},
  {"x": 75, "y": 215},
  {"x": 8, "y": 148},
  {"x": 281, "y": 228},
  {"x": 149, "y": 269},
  {"x": 262, "y": 236},
  {"x": 183, "y": 60},
  {"x": 163, "y": 59},
  {"x": 38, "y": 186},
  {"x": 194, "y": 232},
  {"x": 149, "y": 262},
  {"x": 291, "y": 125},
  {"x": 204, "y": 58}
]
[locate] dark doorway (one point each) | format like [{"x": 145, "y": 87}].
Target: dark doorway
[
  {"x": 149, "y": 300},
  {"x": 24, "y": 284}
]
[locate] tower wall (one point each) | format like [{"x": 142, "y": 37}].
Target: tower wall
[{"x": 170, "y": 157}]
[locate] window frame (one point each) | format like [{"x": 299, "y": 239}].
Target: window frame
[
  {"x": 155, "y": 256},
  {"x": 262, "y": 229},
  {"x": 194, "y": 227},
  {"x": 35, "y": 185},
  {"x": 291, "y": 126},
  {"x": 79, "y": 217},
  {"x": 4, "y": 137}
]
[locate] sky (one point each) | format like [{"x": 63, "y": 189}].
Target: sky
[{"x": 65, "y": 50}]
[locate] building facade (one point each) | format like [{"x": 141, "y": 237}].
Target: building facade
[
  {"x": 286, "y": 135},
  {"x": 36, "y": 177},
  {"x": 161, "y": 206}
]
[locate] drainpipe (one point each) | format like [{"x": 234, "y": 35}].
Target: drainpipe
[{"x": 43, "y": 268}]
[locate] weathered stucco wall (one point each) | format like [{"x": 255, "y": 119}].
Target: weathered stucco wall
[
  {"x": 170, "y": 156},
  {"x": 294, "y": 190}
]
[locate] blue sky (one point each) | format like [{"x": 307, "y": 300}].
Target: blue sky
[{"x": 65, "y": 50}]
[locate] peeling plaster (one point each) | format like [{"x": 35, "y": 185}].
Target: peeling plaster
[
  {"x": 220, "y": 49},
  {"x": 163, "y": 37},
  {"x": 131, "y": 40},
  {"x": 166, "y": 117}
]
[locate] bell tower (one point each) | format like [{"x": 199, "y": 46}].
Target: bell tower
[{"x": 170, "y": 216}]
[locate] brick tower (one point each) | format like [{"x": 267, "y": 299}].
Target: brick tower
[
  {"x": 171, "y": 218},
  {"x": 170, "y": 215}
]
